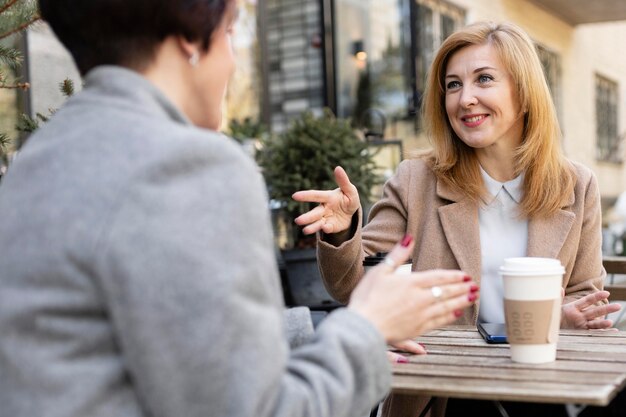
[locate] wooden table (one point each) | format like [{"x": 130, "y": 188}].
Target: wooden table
[{"x": 590, "y": 369}]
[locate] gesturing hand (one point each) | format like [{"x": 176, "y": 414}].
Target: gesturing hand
[
  {"x": 585, "y": 314},
  {"x": 334, "y": 213}
]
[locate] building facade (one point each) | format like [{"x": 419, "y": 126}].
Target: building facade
[
  {"x": 352, "y": 55},
  {"x": 356, "y": 55}
]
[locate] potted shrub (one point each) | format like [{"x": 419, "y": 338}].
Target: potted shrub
[{"x": 303, "y": 157}]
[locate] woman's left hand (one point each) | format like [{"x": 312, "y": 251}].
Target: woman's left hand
[
  {"x": 584, "y": 313},
  {"x": 410, "y": 346}
]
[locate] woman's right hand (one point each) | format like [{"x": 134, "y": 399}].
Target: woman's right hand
[
  {"x": 404, "y": 306},
  {"x": 335, "y": 209}
]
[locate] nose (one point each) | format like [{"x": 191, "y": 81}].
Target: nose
[{"x": 468, "y": 98}]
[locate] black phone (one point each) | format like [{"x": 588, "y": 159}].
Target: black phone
[{"x": 493, "y": 332}]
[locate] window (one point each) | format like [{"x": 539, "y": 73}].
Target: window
[
  {"x": 383, "y": 49},
  {"x": 551, "y": 64},
  {"x": 607, "y": 139},
  {"x": 294, "y": 64},
  {"x": 370, "y": 60},
  {"x": 434, "y": 22}
]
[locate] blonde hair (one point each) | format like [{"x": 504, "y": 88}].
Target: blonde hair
[{"x": 548, "y": 177}]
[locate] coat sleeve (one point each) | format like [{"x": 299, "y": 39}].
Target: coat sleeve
[
  {"x": 191, "y": 284},
  {"x": 588, "y": 274},
  {"x": 342, "y": 266}
]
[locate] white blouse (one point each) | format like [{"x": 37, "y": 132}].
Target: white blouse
[{"x": 502, "y": 235}]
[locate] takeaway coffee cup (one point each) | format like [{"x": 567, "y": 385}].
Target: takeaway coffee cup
[
  {"x": 373, "y": 260},
  {"x": 532, "y": 307}
]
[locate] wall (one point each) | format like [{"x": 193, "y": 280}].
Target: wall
[{"x": 49, "y": 64}]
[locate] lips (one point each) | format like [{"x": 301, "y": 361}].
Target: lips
[{"x": 473, "y": 120}]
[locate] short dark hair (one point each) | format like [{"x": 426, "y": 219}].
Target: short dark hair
[{"x": 127, "y": 32}]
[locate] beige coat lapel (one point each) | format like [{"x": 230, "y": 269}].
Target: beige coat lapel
[
  {"x": 546, "y": 236},
  {"x": 459, "y": 220}
]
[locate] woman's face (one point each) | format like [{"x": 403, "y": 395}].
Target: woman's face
[
  {"x": 481, "y": 100},
  {"x": 215, "y": 69}
]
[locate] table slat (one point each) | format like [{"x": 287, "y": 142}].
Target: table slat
[{"x": 481, "y": 389}]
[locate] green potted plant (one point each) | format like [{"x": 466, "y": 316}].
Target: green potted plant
[
  {"x": 248, "y": 132},
  {"x": 303, "y": 157}
]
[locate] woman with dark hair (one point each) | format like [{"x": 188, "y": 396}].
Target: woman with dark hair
[
  {"x": 495, "y": 185},
  {"x": 137, "y": 275}
]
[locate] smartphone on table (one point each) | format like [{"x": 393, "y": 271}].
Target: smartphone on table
[{"x": 493, "y": 332}]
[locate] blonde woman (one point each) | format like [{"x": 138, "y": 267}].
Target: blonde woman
[{"x": 495, "y": 185}]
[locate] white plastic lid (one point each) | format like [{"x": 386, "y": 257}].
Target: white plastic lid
[{"x": 531, "y": 266}]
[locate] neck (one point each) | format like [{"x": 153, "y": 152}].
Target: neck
[
  {"x": 500, "y": 166},
  {"x": 170, "y": 72}
]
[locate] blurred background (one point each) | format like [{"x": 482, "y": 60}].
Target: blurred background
[
  {"x": 366, "y": 60},
  {"x": 355, "y": 55}
]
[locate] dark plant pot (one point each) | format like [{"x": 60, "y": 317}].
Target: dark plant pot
[{"x": 304, "y": 281}]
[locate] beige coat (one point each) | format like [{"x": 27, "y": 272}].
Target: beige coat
[{"x": 445, "y": 227}]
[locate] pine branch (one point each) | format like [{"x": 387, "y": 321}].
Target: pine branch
[
  {"x": 67, "y": 87},
  {"x": 10, "y": 57},
  {"x": 20, "y": 28},
  {"x": 17, "y": 16},
  {"x": 7, "y": 5},
  {"x": 4, "y": 142},
  {"x": 23, "y": 86},
  {"x": 28, "y": 124}
]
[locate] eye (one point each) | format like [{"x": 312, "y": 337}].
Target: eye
[
  {"x": 452, "y": 85},
  {"x": 484, "y": 78}
]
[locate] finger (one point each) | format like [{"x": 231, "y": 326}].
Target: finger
[
  {"x": 410, "y": 346},
  {"x": 600, "y": 324},
  {"x": 439, "y": 293},
  {"x": 312, "y": 196},
  {"x": 314, "y": 227},
  {"x": 440, "y": 277},
  {"x": 457, "y": 290},
  {"x": 400, "y": 253},
  {"x": 396, "y": 357},
  {"x": 590, "y": 299},
  {"x": 341, "y": 177},
  {"x": 328, "y": 227},
  {"x": 445, "y": 318},
  {"x": 311, "y": 216},
  {"x": 447, "y": 311},
  {"x": 600, "y": 311}
]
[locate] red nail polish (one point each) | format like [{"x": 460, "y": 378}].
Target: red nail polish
[
  {"x": 402, "y": 359},
  {"x": 474, "y": 288},
  {"x": 467, "y": 278},
  {"x": 472, "y": 297},
  {"x": 458, "y": 313},
  {"x": 422, "y": 345},
  {"x": 406, "y": 240}
]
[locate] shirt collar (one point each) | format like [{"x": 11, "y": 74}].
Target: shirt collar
[{"x": 513, "y": 187}]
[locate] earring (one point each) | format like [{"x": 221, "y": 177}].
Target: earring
[{"x": 194, "y": 59}]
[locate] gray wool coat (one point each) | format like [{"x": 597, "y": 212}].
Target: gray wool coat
[{"x": 138, "y": 277}]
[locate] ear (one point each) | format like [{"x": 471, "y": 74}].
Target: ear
[{"x": 188, "y": 48}]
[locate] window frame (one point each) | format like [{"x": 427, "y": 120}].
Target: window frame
[{"x": 609, "y": 142}]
